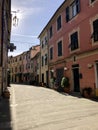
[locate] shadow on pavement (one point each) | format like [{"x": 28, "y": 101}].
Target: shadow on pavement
[
  {"x": 5, "y": 114},
  {"x": 78, "y": 95}
]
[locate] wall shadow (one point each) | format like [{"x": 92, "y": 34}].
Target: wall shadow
[{"x": 5, "y": 114}]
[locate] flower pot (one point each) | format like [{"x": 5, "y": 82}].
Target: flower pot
[
  {"x": 67, "y": 90},
  {"x": 6, "y": 94}
]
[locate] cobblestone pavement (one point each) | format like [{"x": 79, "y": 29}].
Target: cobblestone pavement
[{"x": 37, "y": 108}]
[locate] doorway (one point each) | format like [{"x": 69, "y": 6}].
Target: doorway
[
  {"x": 76, "y": 82},
  {"x": 59, "y": 75}
]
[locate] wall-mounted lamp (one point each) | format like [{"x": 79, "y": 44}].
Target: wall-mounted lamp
[
  {"x": 65, "y": 68},
  {"x": 52, "y": 70},
  {"x": 90, "y": 66}
]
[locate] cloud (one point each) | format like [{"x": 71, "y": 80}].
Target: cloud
[{"x": 24, "y": 35}]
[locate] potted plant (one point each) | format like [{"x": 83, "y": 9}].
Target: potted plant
[
  {"x": 87, "y": 92},
  {"x": 6, "y": 93},
  {"x": 65, "y": 84}
]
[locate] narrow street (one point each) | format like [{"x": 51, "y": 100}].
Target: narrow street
[{"x": 37, "y": 108}]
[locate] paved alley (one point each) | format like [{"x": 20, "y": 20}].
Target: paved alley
[{"x": 37, "y": 108}]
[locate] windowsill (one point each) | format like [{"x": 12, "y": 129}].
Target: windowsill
[
  {"x": 59, "y": 30},
  {"x": 94, "y": 43},
  {"x": 71, "y": 52},
  {"x": 73, "y": 18}
]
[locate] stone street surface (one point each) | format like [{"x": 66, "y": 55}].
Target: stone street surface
[{"x": 38, "y": 108}]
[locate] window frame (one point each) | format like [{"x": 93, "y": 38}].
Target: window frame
[
  {"x": 50, "y": 32},
  {"x": 60, "y": 48},
  {"x": 51, "y": 53},
  {"x": 59, "y": 22},
  {"x": 92, "y": 1},
  {"x": 76, "y": 47},
  {"x": 46, "y": 59},
  {"x": 93, "y": 36},
  {"x": 42, "y": 61},
  {"x": 95, "y": 31},
  {"x": 69, "y": 10}
]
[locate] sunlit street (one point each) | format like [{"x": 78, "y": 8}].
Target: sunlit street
[{"x": 37, "y": 108}]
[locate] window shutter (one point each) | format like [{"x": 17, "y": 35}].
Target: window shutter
[
  {"x": 60, "y": 48},
  {"x": 92, "y": 1},
  {"x": 95, "y": 32},
  {"x": 74, "y": 41},
  {"x": 95, "y": 25},
  {"x": 78, "y": 6},
  {"x": 67, "y": 14}
]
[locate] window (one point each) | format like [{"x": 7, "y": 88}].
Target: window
[
  {"x": 50, "y": 32},
  {"x": 42, "y": 44},
  {"x": 19, "y": 68},
  {"x": 72, "y": 10},
  {"x": 95, "y": 31},
  {"x": 74, "y": 41},
  {"x": 60, "y": 48},
  {"x": 51, "y": 53},
  {"x": 15, "y": 69},
  {"x": 20, "y": 58},
  {"x": 12, "y": 70},
  {"x": 42, "y": 78},
  {"x": 28, "y": 65},
  {"x": 46, "y": 41},
  {"x": 16, "y": 60},
  {"x": 92, "y": 1},
  {"x": 45, "y": 57},
  {"x": 59, "y": 22},
  {"x": 42, "y": 60}
]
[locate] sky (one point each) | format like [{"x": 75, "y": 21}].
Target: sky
[{"x": 33, "y": 16}]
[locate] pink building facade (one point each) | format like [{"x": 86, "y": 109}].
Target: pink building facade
[{"x": 73, "y": 44}]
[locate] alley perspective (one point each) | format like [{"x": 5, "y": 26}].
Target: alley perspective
[
  {"x": 39, "y": 108},
  {"x": 49, "y": 65}
]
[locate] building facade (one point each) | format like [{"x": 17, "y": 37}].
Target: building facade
[
  {"x": 69, "y": 46},
  {"x": 73, "y": 44},
  {"x": 35, "y": 65},
  {"x": 15, "y": 65},
  {"x": 44, "y": 58},
  {"x": 5, "y": 29},
  {"x": 20, "y": 66}
]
